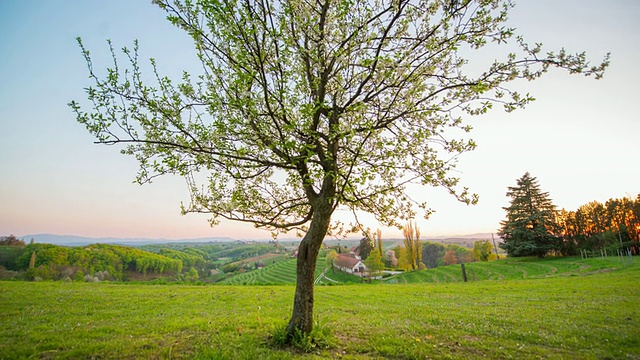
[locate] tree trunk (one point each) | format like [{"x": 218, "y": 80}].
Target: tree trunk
[{"x": 302, "y": 317}]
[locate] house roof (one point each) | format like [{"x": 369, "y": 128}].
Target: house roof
[{"x": 347, "y": 261}]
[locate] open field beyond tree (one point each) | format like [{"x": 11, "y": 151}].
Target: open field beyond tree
[{"x": 578, "y": 314}]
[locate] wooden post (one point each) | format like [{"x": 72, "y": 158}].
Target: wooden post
[
  {"x": 464, "y": 273},
  {"x": 495, "y": 247}
]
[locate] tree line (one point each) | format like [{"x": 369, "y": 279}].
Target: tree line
[
  {"x": 113, "y": 262},
  {"x": 595, "y": 226},
  {"x": 188, "y": 262},
  {"x": 534, "y": 226}
]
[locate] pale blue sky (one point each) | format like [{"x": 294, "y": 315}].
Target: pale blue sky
[{"x": 580, "y": 138}]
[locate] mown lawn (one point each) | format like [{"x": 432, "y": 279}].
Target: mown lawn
[{"x": 583, "y": 315}]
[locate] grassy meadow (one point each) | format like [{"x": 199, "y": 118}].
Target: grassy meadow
[{"x": 589, "y": 311}]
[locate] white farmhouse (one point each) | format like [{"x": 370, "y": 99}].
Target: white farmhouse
[{"x": 351, "y": 264}]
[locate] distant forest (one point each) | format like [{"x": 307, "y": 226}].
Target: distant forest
[
  {"x": 596, "y": 226},
  {"x": 99, "y": 262}
]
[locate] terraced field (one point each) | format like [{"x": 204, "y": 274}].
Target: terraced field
[
  {"x": 283, "y": 272},
  {"x": 508, "y": 269}
]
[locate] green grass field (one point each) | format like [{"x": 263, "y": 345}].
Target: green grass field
[
  {"x": 284, "y": 272},
  {"x": 508, "y": 269},
  {"x": 589, "y": 311}
]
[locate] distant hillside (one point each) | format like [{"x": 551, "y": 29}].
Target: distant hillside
[
  {"x": 72, "y": 240},
  {"x": 481, "y": 236}
]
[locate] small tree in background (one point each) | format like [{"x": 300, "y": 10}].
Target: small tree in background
[
  {"x": 432, "y": 254},
  {"x": 450, "y": 257},
  {"x": 379, "y": 241},
  {"x": 390, "y": 258},
  {"x": 366, "y": 245},
  {"x": 531, "y": 220},
  {"x": 412, "y": 245},
  {"x": 481, "y": 250},
  {"x": 331, "y": 259},
  {"x": 192, "y": 275},
  {"x": 403, "y": 258},
  {"x": 11, "y": 240},
  {"x": 374, "y": 263},
  {"x": 32, "y": 260}
]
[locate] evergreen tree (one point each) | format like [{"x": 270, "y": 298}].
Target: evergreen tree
[
  {"x": 433, "y": 254},
  {"x": 530, "y": 225},
  {"x": 366, "y": 245}
]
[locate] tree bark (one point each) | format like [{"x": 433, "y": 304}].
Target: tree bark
[{"x": 302, "y": 316}]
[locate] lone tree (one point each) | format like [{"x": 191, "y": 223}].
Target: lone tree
[
  {"x": 303, "y": 106},
  {"x": 531, "y": 220}
]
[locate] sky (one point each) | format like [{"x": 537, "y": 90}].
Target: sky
[{"x": 579, "y": 138}]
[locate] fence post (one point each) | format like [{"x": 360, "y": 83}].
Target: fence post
[{"x": 464, "y": 273}]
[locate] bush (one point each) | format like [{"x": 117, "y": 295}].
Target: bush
[
  {"x": 229, "y": 268},
  {"x": 102, "y": 275}
]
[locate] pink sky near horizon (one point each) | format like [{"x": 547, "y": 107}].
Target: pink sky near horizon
[{"x": 579, "y": 138}]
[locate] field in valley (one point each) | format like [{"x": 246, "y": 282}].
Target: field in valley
[{"x": 556, "y": 308}]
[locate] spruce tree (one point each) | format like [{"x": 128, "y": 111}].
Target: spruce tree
[{"x": 530, "y": 224}]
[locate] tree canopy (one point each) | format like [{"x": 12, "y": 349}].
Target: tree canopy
[
  {"x": 302, "y": 107},
  {"x": 595, "y": 226}
]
